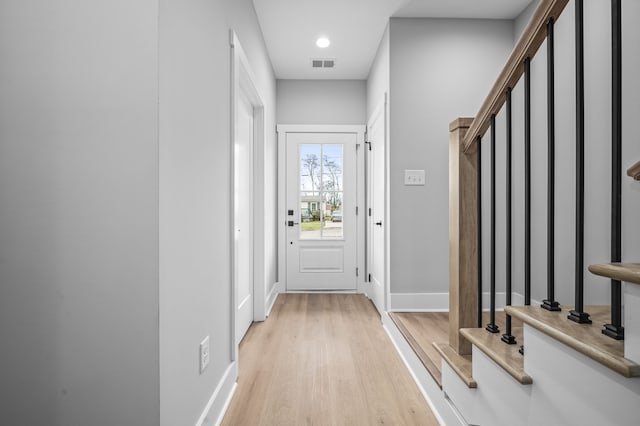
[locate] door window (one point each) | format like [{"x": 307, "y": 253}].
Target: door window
[{"x": 321, "y": 191}]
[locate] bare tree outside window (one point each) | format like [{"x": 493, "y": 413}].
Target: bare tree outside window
[
  {"x": 311, "y": 163},
  {"x": 321, "y": 190},
  {"x": 333, "y": 171}
]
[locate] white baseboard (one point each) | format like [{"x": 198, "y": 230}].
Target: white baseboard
[
  {"x": 271, "y": 298},
  {"x": 439, "y": 302},
  {"x": 517, "y": 299},
  {"x": 436, "y": 399},
  {"x": 419, "y": 302},
  {"x": 221, "y": 398},
  {"x": 501, "y": 298},
  {"x": 322, "y": 291}
]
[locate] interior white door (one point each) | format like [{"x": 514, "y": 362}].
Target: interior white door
[
  {"x": 321, "y": 211},
  {"x": 243, "y": 187},
  {"x": 376, "y": 131}
]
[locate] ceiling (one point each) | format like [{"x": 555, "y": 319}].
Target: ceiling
[{"x": 355, "y": 28}]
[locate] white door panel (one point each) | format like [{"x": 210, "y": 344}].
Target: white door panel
[
  {"x": 376, "y": 199},
  {"x": 322, "y": 259},
  {"x": 243, "y": 196},
  {"x": 321, "y": 211}
]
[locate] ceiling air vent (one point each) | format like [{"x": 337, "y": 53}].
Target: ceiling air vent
[{"x": 323, "y": 63}]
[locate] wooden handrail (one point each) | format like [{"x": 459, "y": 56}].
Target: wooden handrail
[
  {"x": 527, "y": 46},
  {"x": 634, "y": 171}
]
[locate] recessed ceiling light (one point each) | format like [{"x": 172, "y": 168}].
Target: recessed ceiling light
[{"x": 323, "y": 42}]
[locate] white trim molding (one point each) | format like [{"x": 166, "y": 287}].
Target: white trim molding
[
  {"x": 219, "y": 402},
  {"x": 435, "y": 397},
  {"x": 439, "y": 302},
  {"x": 244, "y": 84},
  {"x": 271, "y": 297},
  {"x": 419, "y": 302}
]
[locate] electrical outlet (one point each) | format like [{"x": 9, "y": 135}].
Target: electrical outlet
[
  {"x": 414, "y": 177},
  {"x": 205, "y": 355}
]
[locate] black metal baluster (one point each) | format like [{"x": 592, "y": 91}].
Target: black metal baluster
[
  {"x": 527, "y": 185},
  {"x": 615, "y": 329},
  {"x": 492, "y": 327},
  {"x": 507, "y": 337},
  {"x": 577, "y": 314},
  {"x": 479, "y": 201},
  {"x": 527, "y": 181},
  {"x": 549, "y": 303}
]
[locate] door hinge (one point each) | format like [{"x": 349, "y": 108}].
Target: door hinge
[
  {"x": 357, "y": 272},
  {"x": 356, "y": 210},
  {"x": 369, "y": 278},
  {"x": 369, "y": 211}
]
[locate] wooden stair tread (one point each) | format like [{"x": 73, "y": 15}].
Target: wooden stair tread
[
  {"x": 584, "y": 338},
  {"x": 461, "y": 364},
  {"x": 634, "y": 171},
  {"x": 627, "y": 272},
  {"x": 431, "y": 365},
  {"x": 506, "y": 356}
]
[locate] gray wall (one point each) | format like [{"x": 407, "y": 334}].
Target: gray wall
[
  {"x": 521, "y": 21},
  {"x": 378, "y": 79},
  {"x": 114, "y": 206},
  {"x": 321, "y": 101},
  {"x": 597, "y": 159},
  {"x": 195, "y": 192},
  {"x": 78, "y": 213},
  {"x": 440, "y": 69}
]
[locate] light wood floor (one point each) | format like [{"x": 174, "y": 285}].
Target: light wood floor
[
  {"x": 422, "y": 329},
  {"x": 324, "y": 359}
]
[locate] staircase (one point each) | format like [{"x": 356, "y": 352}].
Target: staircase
[{"x": 566, "y": 365}]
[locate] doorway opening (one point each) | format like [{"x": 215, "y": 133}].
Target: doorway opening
[
  {"x": 321, "y": 186},
  {"x": 248, "y": 296}
]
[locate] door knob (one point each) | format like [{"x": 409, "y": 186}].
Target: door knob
[{"x": 379, "y": 223}]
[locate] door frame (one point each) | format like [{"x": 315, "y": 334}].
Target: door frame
[
  {"x": 243, "y": 83},
  {"x": 382, "y": 108},
  {"x": 282, "y": 130}
]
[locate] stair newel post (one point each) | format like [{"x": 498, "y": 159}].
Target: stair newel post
[
  {"x": 577, "y": 314},
  {"x": 550, "y": 303},
  {"x": 492, "y": 327},
  {"x": 615, "y": 329},
  {"x": 507, "y": 337},
  {"x": 463, "y": 235}
]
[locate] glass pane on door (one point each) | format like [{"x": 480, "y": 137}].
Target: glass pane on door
[
  {"x": 321, "y": 191},
  {"x": 333, "y": 217},
  {"x": 310, "y": 215},
  {"x": 332, "y": 167}
]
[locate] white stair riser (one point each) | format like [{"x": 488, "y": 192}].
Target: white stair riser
[
  {"x": 632, "y": 322},
  {"x": 572, "y": 389},
  {"x": 505, "y": 401}
]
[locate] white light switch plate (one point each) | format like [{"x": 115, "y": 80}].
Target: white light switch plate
[
  {"x": 414, "y": 177},
  {"x": 205, "y": 355}
]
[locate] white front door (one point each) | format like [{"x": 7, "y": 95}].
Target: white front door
[
  {"x": 243, "y": 208},
  {"x": 321, "y": 210},
  {"x": 376, "y": 131}
]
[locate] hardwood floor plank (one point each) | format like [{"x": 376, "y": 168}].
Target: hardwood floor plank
[
  {"x": 422, "y": 329},
  {"x": 323, "y": 359}
]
